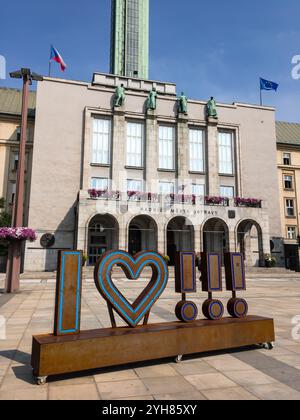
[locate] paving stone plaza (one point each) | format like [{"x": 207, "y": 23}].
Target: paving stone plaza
[{"x": 238, "y": 375}]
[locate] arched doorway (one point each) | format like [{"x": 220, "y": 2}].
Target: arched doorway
[
  {"x": 250, "y": 243},
  {"x": 103, "y": 236},
  {"x": 180, "y": 237},
  {"x": 216, "y": 236},
  {"x": 142, "y": 235}
]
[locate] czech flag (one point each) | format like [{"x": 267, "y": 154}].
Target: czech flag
[{"x": 55, "y": 56}]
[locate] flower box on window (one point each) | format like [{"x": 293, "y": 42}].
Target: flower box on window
[
  {"x": 216, "y": 201},
  {"x": 248, "y": 202},
  {"x": 104, "y": 194}
]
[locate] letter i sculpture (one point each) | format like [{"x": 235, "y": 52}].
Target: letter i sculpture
[
  {"x": 211, "y": 278},
  {"x": 185, "y": 282},
  {"x": 235, "y": 281}
]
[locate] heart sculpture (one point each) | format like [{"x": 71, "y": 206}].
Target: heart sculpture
[{"x": 132, "y": 267}]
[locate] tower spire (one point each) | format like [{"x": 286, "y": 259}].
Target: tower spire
[{"x": 130, "y": 38}]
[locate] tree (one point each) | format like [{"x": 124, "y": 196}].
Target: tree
[
  {"x": 5, "y": 221},
  {"x": 5, "y": 218}
]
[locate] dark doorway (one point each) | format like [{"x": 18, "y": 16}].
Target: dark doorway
[
  {"x": 216, "y": 237},
  {"x": 180, "y": 237},
  {"x": 142, "y": 235},
  {"x": 135, "y": 240},
  {"x": 103, "y": 236},
  {"x": 292, "y": 257}
]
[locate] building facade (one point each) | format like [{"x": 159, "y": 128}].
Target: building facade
[
  {"x": 288, "y": 160},
  {"x": 127, "y": 178},
  {"x": 130, "y": 38},
  {"x": 10, "y": 120}
]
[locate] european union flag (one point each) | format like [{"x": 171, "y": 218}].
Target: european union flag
[{"x": 267, "y": 85}]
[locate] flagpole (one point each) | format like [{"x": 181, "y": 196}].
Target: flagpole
[
  {"x": 49, "y": 73},
  {"x": 261, "y": 101}
]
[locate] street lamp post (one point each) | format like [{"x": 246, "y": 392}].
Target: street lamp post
[{"x": 12, "y": 284}]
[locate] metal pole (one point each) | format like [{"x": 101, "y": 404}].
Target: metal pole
[
  {"x": 14, "y": 256},
  {"x": 49, "y": 74},
  {"x": 261, "y": 101}
]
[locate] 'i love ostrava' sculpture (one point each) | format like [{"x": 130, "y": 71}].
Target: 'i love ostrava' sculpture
[{"x": 70, "y": 350}]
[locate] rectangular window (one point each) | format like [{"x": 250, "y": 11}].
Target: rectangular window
[
  {"x": 226, "y": 153},
  {"x": 288, "y": 182},
  {"x": 101, "y": 141},
  {"x": 100, "y": 184},
  {"x": 292, "y": 232},
  {"x": 196, "y": 150},
  {"x": 135, "y": 144},
  {"x": 198, "y": 190},
  {"x": 167, "y": 148},
  {"x": 135, "y": 185},
  {"x": 15, "y": 161},
  {"x": 289, "y": 208},
  {"x": 287, "y": 159},
  {"x": 227, "y": 192},
  {"x": 166, "y": 188}
]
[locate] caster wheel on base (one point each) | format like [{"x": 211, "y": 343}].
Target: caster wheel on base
[
  {"x": 41, "y": 380},
  {"x": 178, "y": 359},
  {"x": 268, "y": 346},
  {"x": 213, "y": 309}
]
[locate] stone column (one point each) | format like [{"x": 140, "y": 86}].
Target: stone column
[
  {"x": 118, "y": 149},
  {"x": 213, "y": 157},
  {"x": 161, "y": 247},
  {"x": 183, "y": 149},
  {"x": 232, "y": 241},
  {"x": 151, "y": 148},
  {"x": 122, "y": 234},
  {"x": 198, "y": 238}
]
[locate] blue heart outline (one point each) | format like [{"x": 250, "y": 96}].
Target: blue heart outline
[{"x": 134, "y": 277}]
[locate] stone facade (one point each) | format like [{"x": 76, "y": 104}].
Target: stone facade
[{"x": 63, "y": 170}]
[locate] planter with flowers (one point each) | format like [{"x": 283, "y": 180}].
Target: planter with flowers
[
  {"x": 216, "y": 201},
  {"x": 270, "y": 261},
  {"x": 104, "y": 194},
  {"x": 247, "y": 202},
  {"x": 17, "y": 234}
]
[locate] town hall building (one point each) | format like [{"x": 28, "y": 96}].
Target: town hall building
[{"x": 127, "y": 163}]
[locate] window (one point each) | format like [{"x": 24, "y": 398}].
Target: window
[
  {"x": 288, "y": 182},
  {"x": 166, "y": 188},
  {"x": 135, "y": 144},
  {"x": 15, "y": 163},
  {"x": 100, "y": 184},
  {"x": 225, "y": 153},
  {"x": 287, "y": 159},
  {"x": 292, "y": 232},
  {"x": 198, "y": 190},
  {"x": 101, "y": 141},
  {"x": 166, "y": 148},
  {"x": 13, "y": 192},
  {"x": 196, "y": 150},
  {"x": 135, "y": 185},
  {"x": 227, "y": 192},
  {"x": 290, "y": 208}
]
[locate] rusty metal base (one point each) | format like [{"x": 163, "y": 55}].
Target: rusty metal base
[{"x": 52, "y": 355}]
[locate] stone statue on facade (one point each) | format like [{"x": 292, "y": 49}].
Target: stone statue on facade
[
  {"x": 151, "y": 101},
  {"x": 183, "y": 104},
  {"x": 119, "y": 98},
  {"x": 212, "y": 108}
]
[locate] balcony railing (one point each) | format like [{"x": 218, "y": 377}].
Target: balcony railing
[{"x": 174, "y": 199}]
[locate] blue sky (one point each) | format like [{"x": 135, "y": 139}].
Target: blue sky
[{"x": 218, "y": 48}]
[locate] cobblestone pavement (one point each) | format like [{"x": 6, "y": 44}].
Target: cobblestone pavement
[{"x": 240, "y": 375}]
